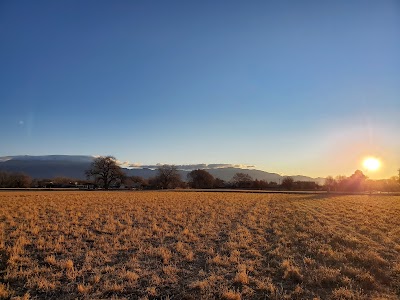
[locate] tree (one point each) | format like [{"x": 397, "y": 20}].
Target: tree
[
  {"x": 305, "y": 185},
  {"x": 136, "y": 182},
  {"x": 272, "y": 184},
  {"x": 105, "y": 171},
  {"x": 287, "y": 183},
  {"x": 219, "y": 183},
  {"x": 398, "y": 176},
  {"x": 64, "y": 182},
  {"x": 341, "y": 182},
  {"x": 242, "y": 180},
  {"x": 14, "y": 180},
  {"x": 357, "y": 181},
  {"x": 330, "y": 183},
  {"x": 200, "y": 179},
  {"x": 392, "y": 185},
  {"x": 260, "y": 184},
  {"x": 168, "y": 177}
]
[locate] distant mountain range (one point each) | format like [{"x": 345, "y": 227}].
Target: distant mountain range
[{"x": 74, "y": 166}]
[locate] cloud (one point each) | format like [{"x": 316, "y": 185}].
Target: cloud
[
  {"x": 187, "y": 167},
  {"x": 194, "y": 166},
  {"x": 128, "y": 164},
  {"x": 123, "y": 164},
  {"x": 223, "y": 166}
]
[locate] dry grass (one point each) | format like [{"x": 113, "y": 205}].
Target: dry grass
[{"x": 177, "y": 245}]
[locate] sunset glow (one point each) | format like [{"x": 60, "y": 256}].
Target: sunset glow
[{"x": 371, "y": 164}]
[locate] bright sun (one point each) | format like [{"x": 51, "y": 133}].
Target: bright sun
[{"x": 371, "y": 164}]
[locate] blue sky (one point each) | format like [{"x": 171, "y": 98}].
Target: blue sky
[{"x": 293, "y": 87}]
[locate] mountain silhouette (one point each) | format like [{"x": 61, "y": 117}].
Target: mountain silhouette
[{"x": 74, "y": 166}]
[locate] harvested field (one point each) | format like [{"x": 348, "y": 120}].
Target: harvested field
[{"x": 178, "y": 245}]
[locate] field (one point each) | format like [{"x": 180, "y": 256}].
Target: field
[{"x": 181, "y": 245}]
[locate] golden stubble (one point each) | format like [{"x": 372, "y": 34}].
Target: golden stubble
[{"x": 147, "y": 245}]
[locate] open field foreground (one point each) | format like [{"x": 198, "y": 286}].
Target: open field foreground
[{"x": 177, "y": 245}]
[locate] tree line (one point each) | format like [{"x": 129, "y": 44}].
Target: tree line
[
  {"x": 14, "y": 180},
  {"x": 359, "y": 182},
  {"x": 168, "y": 177},
  {"x": 105, "y": 173},
  {"x": 21, "y": 180}
]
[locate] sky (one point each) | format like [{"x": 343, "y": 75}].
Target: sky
[{"x": 291, "y": 87}]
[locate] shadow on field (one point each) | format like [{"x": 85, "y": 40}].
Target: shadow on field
[{"x": 3, "y": 264}]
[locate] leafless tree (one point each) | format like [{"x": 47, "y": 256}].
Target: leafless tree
[
  {"x": 200, "y": 179},
  {"x": 399, "y": 176},
  {"x": 330, "y": 183},
  {"x": 287, "y": 183},
  {"x": 105, "y": 171},
  {"x": 242, "y": 180},
  {"x": 14, "y": 180},
  {"x": 168, "y": 177}
]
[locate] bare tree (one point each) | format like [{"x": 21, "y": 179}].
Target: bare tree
[
  {"x": 341, "y": 182},
  {"x": 287, "y": 183},
  {"x": 242, "y": 180},
  {"x": 260, "y": 184},
  {"x": 219, "y": 183},
  {"x": 105, "y": 171},
  {"x": 168, "y": 177},
  {"x": 14, "y": 180},
  {"x": 399, "y": 175},
  {"x": 200, "y": 179},
  {"x": 136, "y": 182},
  {"x": 330, "y": 183}
]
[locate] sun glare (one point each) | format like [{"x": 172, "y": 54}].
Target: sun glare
[{"x": 371, "y": 164}]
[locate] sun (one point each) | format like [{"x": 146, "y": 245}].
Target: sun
[{"x": 371, "y": 164}]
